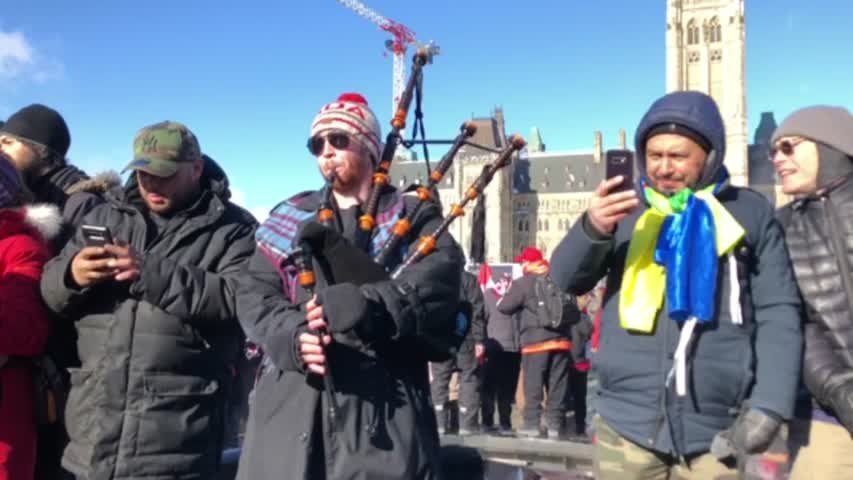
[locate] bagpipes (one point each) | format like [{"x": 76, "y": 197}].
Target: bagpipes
[
  {"x": 428, "y": 243},
  {"x": 425, "y": 193},
  {"x": 341, "y": 261},
  {"x": 367, "y": 221}
]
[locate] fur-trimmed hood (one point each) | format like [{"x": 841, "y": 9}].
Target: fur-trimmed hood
[
  {"x": 100, "y": 183},
  {"x": 44, "y": 219}
]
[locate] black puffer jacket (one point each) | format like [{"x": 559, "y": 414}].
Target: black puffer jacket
[
  {"x": 819, "y": 233},
  {"x": 156, "y": 354}
]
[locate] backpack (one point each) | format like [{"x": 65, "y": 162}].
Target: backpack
[{"x": 555, "y": 309}]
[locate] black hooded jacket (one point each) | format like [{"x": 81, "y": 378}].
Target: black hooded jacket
[
  {"x": 157, "y": 353},
  {"x": 385, "y": 427}
]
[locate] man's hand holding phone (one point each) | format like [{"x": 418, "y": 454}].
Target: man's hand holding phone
[
  {"x": 609, "y": 205},
  {"x": 104, "y": 259},
  {"x": 125, "y": 261}
]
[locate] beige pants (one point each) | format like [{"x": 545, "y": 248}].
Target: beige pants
[
  {"x": 822, "y": 451},
  {"x": 617, "y": 458}
]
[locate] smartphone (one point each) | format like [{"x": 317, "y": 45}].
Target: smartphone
[
  {"x": 620, "y": 162},
  {"x": 97, "y": 236}
]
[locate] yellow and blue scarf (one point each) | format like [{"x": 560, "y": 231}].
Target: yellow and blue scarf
[{"x": 674, "y": 251}]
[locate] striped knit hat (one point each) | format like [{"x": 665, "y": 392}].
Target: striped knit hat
[
  {"x": 350, "y": 114},
  {"x": 10, "y": 183}
]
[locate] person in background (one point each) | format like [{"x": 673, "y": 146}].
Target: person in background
[
  {"x": 24, "y": 322},
  {"x": 500, "y": 377},
  {"x": 466, "y": 362},
  {"x": 545, "y": 354},
  {"x": 37, "y": 140}
]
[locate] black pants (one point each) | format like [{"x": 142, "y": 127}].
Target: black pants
[
  {"x": 551, "y": 371},
  {"x": 50, "y": 445},
  {"x": 500, "y": 379},
  {"x": 469, "y": 385},
  {"x": 578, "y": 391}
]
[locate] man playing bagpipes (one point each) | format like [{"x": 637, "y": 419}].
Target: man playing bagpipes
[{"x": 374, "y": 418}]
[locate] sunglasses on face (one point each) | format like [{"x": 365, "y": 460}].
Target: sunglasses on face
[
  {"x": 785, "y": 146},
  {"x": 338, "y": 140}
]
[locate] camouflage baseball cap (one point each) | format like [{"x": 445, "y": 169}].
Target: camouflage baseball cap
[{"x": 159, "y": 148}]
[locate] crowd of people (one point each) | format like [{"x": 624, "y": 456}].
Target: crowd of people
[{"x": 126, "y": 309}]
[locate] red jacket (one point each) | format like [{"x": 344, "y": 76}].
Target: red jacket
[{"x": 24, "y": 325}]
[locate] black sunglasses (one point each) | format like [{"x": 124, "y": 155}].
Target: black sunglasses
[
  {"x": 338, "y": 140},
  {"x": 786, "y": 147}
]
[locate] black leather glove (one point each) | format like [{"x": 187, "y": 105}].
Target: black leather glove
[
  {"x": 752, "y": 432},
  {"x": 840, "y": 401},
  {"x": 344, "y": 306}
]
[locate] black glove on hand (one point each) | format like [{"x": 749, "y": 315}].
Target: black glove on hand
[
  {"x": 752, "y": 432},
  {"x": 841, "y": 402},
  {"x": 344, "y": 306}
]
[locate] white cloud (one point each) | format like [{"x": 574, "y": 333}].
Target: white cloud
[
  {"x": 260, "y": 213},
  {"x": 238, "y": 196},
  {"x": 20, "y": 60},
  {"x": 16, "y": 54}
]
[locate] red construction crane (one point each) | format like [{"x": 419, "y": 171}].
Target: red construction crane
[{"x": 403, "y": 37}]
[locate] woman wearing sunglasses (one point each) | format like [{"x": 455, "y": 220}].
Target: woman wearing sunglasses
[{"x": 813, "y": 156}]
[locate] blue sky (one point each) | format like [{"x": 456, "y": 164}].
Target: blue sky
[{"x": 249, "y": 77}]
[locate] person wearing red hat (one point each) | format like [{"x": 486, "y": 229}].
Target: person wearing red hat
[
  {"x": 545, "y": 353},
  {"x": 378, "y": 336}
]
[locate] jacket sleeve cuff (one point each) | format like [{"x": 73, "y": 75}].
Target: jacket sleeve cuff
[{"x": 592, "y": 232}]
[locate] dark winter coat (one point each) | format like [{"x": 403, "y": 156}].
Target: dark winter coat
[
  {"x": 819, "y": 232},
  {"x": 502, "y": 328},
  {"x": 386, "y": 427},
  {"x": 520, "y": 299},
  {"x": 157, "y": 353},
  {"x": 24, "y": 326},
  {"x": 758, "y": 361},
  {"x": 73, "y": 192},
  {"x": 472, "y": 300}
]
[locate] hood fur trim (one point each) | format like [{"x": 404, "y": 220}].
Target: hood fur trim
[
  {"x": 45, "y": 218},
  {"x": 100, "y": 183}
]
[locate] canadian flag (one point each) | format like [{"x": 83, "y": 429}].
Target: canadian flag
[{"x": 486, "y": 280}]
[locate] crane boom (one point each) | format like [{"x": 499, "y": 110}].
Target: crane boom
[{"x": 403, "y": 37}]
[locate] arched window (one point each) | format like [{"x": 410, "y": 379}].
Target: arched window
[
  {"x": 692, "y": 32},
  {"x": 538, "y": 225},
  {"x": 526, "y": 226},
  {"x": 715, "y": 30},
  {"x": 521, "y": 225},
  {"x": 546, "y": 225}
]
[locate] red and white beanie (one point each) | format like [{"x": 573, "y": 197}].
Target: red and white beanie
[{"x": 350, "y": 114}]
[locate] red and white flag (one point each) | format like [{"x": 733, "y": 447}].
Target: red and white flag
[{"x": 485, "y": 278}]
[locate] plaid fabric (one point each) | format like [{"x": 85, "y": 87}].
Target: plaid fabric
[{"x": 276, "y": 235}]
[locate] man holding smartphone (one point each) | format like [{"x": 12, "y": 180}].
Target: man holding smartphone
[
  {"x": 155, "y": 311},
  {"x": 700, "y": 333}
]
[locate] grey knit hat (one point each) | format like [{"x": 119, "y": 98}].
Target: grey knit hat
[{"x": 832, "y": 126}]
